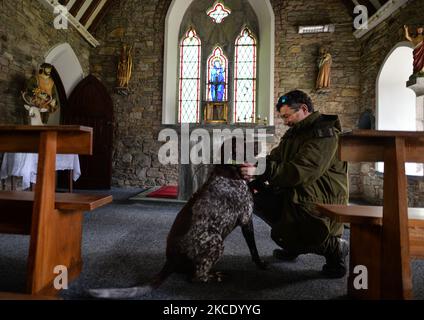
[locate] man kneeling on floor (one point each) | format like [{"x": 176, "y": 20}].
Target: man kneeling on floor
[{"x": 301, "y": 171}]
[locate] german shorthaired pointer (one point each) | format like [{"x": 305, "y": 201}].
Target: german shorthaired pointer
[{"x": 195, "y": 242}]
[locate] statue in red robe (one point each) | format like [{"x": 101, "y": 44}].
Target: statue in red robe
[{"x": 418, "y": 42}]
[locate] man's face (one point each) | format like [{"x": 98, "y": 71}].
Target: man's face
[{"x": 291, "y": 117}]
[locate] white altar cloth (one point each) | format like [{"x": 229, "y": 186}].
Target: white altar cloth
[{"x": 25, "y": 165}]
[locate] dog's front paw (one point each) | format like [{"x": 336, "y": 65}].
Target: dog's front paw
[
  {"x": 214, "y": 276},
  {"x": 261, "y": 264}
]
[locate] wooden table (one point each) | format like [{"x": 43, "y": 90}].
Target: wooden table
[
  {"x": 54, "y": 221},
  {"x": 394, "y": 148},
  {"x": 25, "y": 165}
]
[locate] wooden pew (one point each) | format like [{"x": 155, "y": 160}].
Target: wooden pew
[
  {"x": 23, "y": 296},
  {"x": 53, "y": 221},
  {"x": 366, "y": 241},
  {"x": 394, "y": 148}
]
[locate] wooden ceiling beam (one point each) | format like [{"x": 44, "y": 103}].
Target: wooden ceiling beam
[
  {"x": 370, "y": 6},
  {"x": 376, "y": 4},
  {"x": 90, "y": 10},
  {"x": 101, "y": 15},
  {"x": 76, "y": 7}
]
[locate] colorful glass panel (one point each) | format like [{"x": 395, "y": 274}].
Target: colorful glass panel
[
  {"x": 218, "y": 12},
  {"x": 245, "y": 77},
  {"x": 189, "y": 82},
  {"x": 217, "y": 76}
]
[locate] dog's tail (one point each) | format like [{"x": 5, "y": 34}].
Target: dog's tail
[{"x": 134, "y": 292}]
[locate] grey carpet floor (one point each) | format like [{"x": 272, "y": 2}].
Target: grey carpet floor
[{"x": 124, "y": 245}]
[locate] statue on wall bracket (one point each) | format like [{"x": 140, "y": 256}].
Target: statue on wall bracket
[
  {"x": 325, "y": 61},
  {"x": 124, "y": 71},
  {"x": 418, "y": 43},
  {"x": 416, "y": 80}
]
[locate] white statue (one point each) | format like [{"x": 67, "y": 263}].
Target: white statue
[{"x": 35, "y": 115}]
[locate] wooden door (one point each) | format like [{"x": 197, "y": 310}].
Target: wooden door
[{"x": 91, "y": 105}]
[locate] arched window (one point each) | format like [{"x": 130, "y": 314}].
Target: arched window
[
  {"x": 189, "y": 82},
  {"x": 262, "y": 24},
  {"x": 218, "y": 12},
  {"x": 245, "y": 77},
  {"x": 217, "y": 76}
]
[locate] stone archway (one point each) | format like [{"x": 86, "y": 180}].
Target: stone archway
[
  {"x": 397, "y": 107},
  {"x": 67, "y": 65},
  {"x": 395, "y": 102},
  {"x": 69, "y": 68}
]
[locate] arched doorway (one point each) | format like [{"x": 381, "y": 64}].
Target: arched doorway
[
  {"x": 395, "y": 102},
  {"x": 397, "y": 107},
  {"x": 64, "y": 59}
]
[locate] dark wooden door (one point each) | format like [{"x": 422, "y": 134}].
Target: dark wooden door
[{"x": 91, "y": 105}]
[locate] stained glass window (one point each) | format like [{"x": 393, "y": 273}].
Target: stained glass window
[
  {"x": 217, "y": 76},
  {"x": 245, "y": 77},
  {"x": 218, "y": 12},
  {"x": 189, "y": 87}
]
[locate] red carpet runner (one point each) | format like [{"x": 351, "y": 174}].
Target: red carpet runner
[{"x": 169, "y": 192}]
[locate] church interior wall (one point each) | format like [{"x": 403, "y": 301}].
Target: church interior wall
[{"x": 27, "y": 35}]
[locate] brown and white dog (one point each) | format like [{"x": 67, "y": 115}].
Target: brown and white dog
[{"x": 195, "y": 242}]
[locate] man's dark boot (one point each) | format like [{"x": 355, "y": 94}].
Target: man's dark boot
[
  {"x": 335, "y": 255},
  {"x": 284, "y": 255}
]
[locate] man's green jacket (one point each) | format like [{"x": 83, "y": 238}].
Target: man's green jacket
[{"x": 304, "y": 170}]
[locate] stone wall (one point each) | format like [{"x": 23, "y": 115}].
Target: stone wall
[
  {"x": 296, "y": 55},
  {"x": 372, "y": 187},
  {"x": 138, "y": 115},
  {"x": 26, "y": 36},
  {"x": 375, "y": 46},
  {"x": 296, "y": 61}
]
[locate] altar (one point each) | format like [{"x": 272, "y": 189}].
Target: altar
[
  {"x": 25, "y": 165},
  {"x": 192, "y": 176}
]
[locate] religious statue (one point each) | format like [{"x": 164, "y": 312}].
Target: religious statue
[
  {"x": 418, "y": 43},
  {"x": 324, "y": 65},
  {"x": 40, "y": 91},
  {"x": 217, "y": 82},
  {"x": 125, "y": 67}
]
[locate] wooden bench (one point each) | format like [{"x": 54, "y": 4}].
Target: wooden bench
[
  {"x": 394, "y": 148},
  {"x": 23, "y": 296},
  {"x": 366, "y": 241},
  {"x": 53, "y": 220}
]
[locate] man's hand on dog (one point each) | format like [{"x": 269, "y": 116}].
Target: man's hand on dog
[{"x": 247, "y": 171}]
